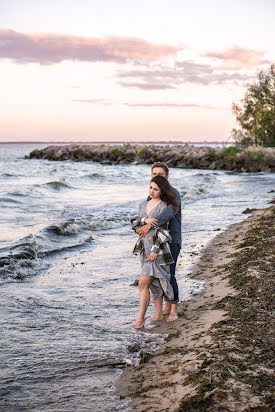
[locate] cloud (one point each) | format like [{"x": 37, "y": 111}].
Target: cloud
[
  {"x": 54, "y": 48},
  {"x": 183, "y": 72},
  {"x": 237, "y": 57},
  {"x": 170, "y": 105},
  {"x": 105, "y": 102},
  {"x": 147, "y": 86}
]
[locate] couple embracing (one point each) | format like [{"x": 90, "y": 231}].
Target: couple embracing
[{"x": 158, "y": 225}]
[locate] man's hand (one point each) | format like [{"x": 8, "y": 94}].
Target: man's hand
[
  {"x": 143, "y": 230},
  {"x": 152, "y": 256},
  {"x": 151, "y": 221}
]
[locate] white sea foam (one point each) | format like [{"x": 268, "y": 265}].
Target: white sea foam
[{"x": 68, "y": 259}]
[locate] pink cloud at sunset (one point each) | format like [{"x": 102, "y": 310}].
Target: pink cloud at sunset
[
  {"x": 163, "y": 77},
  {"x": 96, "y": 70},
  {"x": 170, "y": 105},
  {"x": 238, "y": 57},
  {"x": 106, "y": 102},
  {"x": 54, "y": 48}
]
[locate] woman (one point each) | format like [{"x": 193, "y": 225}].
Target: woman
[{"x": 154, "y": 249}]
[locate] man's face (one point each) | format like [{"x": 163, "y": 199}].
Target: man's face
[{"x": 159, "y": 171}]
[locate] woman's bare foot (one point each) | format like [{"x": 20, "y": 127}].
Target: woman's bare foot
[
  {"x": 155, "y": 318},
  {"x": 139, "y": 324},
  {"x": 172, "y": 317}
]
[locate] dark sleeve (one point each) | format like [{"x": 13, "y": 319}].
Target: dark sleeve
[{"x": 168, "y": 213}]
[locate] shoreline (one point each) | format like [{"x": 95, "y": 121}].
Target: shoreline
[
  {"x": 218, "y": 353},
  {"x": 119, "y": 142}
]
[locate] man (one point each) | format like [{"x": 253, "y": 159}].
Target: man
[{"x": 174, "y": 218}]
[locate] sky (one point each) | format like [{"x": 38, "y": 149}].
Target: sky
[{"x": 125, "y": 70}]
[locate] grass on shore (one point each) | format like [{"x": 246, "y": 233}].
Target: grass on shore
[{"x": 240, "y": 363}]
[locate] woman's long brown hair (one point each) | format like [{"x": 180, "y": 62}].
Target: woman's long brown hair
[{"x": 167, "y": 193}]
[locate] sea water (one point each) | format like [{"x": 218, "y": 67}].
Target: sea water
[{"x": 68, "y": 303}]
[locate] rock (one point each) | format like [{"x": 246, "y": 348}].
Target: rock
[
  {"x": 220, "y": 164},
  {"x": 181, "y": 164},
  {"x": 134, "y": 348},
  {"x": 130, "y": 155},
  {"x": 228, "y": 166},
  {"x": 171, "y": 162},
  {"x": 188, "y": 156},
  {"x": 269, "y": 158},
  {"x": 247, "y": 211},
  {"x": 34, "y": 154},
  {"x": 205, "y": 164}
]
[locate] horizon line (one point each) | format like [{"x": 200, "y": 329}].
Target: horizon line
[{"x": 118, "y": 142}]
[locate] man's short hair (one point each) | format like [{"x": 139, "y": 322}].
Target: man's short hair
[{"x": 162, "y": 165}]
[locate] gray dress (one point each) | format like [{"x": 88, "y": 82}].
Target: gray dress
[{"x": 161, "y": 283}]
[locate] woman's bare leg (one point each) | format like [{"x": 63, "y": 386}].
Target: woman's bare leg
[
  {"x": 144, "y": 299},
  {"x": 158, "y": 310},
  {"x": 173, "y": 313},
  {"x": 167, "y": 308}
]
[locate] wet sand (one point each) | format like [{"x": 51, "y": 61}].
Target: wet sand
[{"x": 218, "y": 355}]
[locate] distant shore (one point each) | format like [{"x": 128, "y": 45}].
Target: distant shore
[
  {"x": 232, "y": 158},
  {"x": 119, "y": 142},
  {"x": 218, "y": 355}
]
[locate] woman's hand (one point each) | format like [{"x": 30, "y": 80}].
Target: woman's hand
[
  {"x": 152, "y": 256},
  {"x": 151, "y": 221}
]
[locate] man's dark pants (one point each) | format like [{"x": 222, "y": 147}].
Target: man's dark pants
[{"x": 175, "y": 251}]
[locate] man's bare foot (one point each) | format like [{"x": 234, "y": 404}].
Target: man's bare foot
[
  {"x": 139, "y": 324},
  {"x": 172, "y": 317},
  {"x": 155, "y": 318}
]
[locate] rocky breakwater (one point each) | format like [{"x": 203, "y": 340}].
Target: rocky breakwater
[{"x": 251, "y": 159}]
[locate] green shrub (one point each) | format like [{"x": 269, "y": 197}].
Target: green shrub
[
  {"x": 212, "y": 154},
  {"x": 127, "y": 146},
  {"x": 231, "y": 151},
  {"x": 142, "y": 151},
  {"x": 114, "y": 151},
  {"x": 256, "y": 155}
]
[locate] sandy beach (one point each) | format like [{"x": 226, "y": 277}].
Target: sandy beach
[{"x": 218, "y": 355}]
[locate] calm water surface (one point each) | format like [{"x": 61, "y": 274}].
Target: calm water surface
[{"x": 66, "y": 271}]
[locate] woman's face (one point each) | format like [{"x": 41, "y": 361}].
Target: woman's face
[{"x": 154, "y": 191}]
